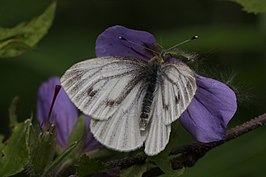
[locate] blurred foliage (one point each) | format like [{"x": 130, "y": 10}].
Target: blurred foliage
[
  {"x": 95, "y": 165},
  {"x": 242, "y": 157},
  {"x": 134, "y": 171},
  {"x": 12, "y": 112},
  {"x": 15, "y": 41},
  {"x": 230, "y": 40},
  {"x": 162, "y": 160},
  {"x": 15, "y": 155},
  {"x": 255, "y": 6}
]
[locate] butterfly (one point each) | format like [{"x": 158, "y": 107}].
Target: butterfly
[{"x": 131, "y": 102}]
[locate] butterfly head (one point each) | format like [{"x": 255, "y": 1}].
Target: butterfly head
[
  {"x": 181, "y": 55},
  {"x": 177, "y": 54},
  {"x": 161, "y": 55}
]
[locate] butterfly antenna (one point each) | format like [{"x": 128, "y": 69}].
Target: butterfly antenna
[
  {"x": 124, "y": 39},
  {"x": 181, "y": 43}
]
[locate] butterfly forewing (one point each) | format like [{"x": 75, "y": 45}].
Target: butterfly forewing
[{"x": 99, "y": 86}]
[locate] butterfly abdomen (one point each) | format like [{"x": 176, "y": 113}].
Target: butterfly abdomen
[{"x": 148, "y": 98}]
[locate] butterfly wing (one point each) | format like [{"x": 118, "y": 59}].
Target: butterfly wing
[
  {"x": 111, "y": 91},
  {"x": 159, "y": 132},
  {"x": 175, "y": 88},
  {"x": 99, "y": 86},
  {"x": 122, "y": 132}
]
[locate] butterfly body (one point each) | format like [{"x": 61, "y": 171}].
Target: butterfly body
[{"x": 151, "y": 80}]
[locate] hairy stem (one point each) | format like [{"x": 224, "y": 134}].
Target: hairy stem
[{"x": 191, "y": 153}]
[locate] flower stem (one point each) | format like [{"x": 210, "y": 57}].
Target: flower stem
[{"x": 191, "y": 153}]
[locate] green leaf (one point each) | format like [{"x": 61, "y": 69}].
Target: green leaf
[
  {"x": 73, "y": 149},
  {"x": 12, "y": 112},
  {"x": 78, "y": 132},
  {"x": 15, "y": 41},
  {"x": 42, "y": 164},
  {"x": 76, "y": 138},
  {"x": 42, "y": 151},
  {"x": 53, "y": 167},
  {"x": 88, "y": 166},
  {"x": 162, "y": 160},
  {"x": 165, "y": 165},
  {"x": 15, "y": 155},
  {"x": 134, "y": 171},
  {"x": 174, "y": 173},
  {"x": 252, "y": 6}
]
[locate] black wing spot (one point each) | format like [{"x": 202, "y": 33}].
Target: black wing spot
[
  {"x": 91, "y": 92},
  {"x": 166, "y": 106},
  {"x": 110, "y": 103},
  {"x": 177, "y": 99}
]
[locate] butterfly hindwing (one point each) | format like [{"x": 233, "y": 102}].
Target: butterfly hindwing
[
  {"x": 158, "y": 134},
  {"x": 122, "y": 132}
]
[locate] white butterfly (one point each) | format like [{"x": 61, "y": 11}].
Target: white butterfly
[{"x": 131, "y": 101}]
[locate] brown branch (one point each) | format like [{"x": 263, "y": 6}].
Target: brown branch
[{"x": 191, "y": 153}]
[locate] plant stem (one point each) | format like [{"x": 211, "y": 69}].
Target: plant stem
[{"x": 191, "y": 153}]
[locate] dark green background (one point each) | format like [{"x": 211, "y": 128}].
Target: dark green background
[{"x": 231, "y": 42}]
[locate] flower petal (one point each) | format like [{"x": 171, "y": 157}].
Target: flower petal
[
  {"x": 210, "y": 110},
  {"x": 64, "y": 112},
  {"x": 120, "y": 41},
  {"x": 91, "y": 143}
]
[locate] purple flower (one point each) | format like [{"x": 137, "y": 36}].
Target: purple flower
[
  {"x": 214, "y": 103},
  {"x": 64, "y": 114}
]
